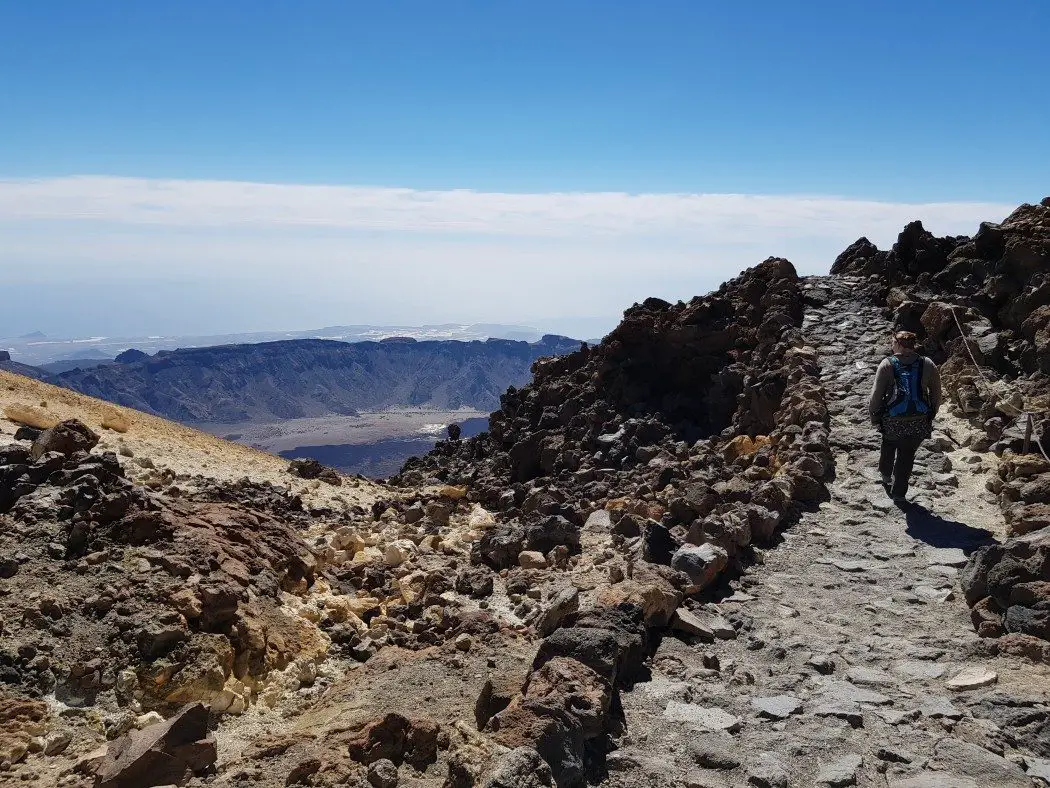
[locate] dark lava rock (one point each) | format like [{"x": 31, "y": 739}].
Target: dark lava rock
[{"x": 67, "y": 437}]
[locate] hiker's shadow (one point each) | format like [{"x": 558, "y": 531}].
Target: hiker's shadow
[{"x": 938, "y": 532}]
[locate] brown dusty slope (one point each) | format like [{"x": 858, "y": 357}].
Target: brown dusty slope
[{"x": 183, "y": 450}]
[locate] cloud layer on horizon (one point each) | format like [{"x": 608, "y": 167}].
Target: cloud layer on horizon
[
  {"x": 313, "y": 254},
  {"x": 717, "y": 217}
]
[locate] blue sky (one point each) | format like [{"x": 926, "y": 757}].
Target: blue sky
[{"x": 896, "y": 105}]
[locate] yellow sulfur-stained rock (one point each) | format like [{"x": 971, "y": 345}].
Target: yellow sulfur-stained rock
[
  {"x": 453, "y": 492},
  {"x": 233, "y": 699},
  {"x": 412, "y": 586},
  {"x": 116, "y": 421},
  {"x": 30, "y": 416},
  {"x": 480, "y": 518},
  {"x": 368, "y": 555}
]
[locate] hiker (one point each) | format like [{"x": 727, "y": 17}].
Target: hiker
[{"x": 904, "y": 402}]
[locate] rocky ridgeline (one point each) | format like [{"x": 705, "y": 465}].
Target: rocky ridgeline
[
  {"x": 691, "y": 432},
  {"x": 997, "y": 284}
]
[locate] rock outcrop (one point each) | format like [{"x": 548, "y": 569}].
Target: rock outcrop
[
  {"x": 137, "y": 593},
  {"x": 689, "y": 433}
]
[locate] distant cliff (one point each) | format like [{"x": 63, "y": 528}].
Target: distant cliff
[
  {"x": 8, "y": 365},
  {"x": 314, "y": 377}
]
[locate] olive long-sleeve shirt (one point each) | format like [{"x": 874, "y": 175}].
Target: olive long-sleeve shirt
[{"x": 884, "y": 385}]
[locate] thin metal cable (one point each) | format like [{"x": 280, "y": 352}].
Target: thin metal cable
[
  {"x": 1039, "y": 445},
  {"x": 966, "y": 344}
]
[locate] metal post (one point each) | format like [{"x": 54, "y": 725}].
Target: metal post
[{"x": 1027, "y": 433}]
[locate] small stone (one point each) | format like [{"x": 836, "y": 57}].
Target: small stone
[
  {"x": 464, "y": 642},
  {"x": 714, "y": 752},
  {"x": 769, "y": 772},
  {"x": 821, "y": 664},
  {"x": 936, "y": 708},
  {"x": 850, "y": 712},
  {"x": 702, "y": 717},
  {"x": 898, "y": 717},
  {"x": 935, "y": 595},
  {"x": 702, "y": 624},
  {"x": 892, "y": 755},
  {"x": 973, "y": 678},
  {"x": 777, "y": 707},
  {"x": 147, "y": 719},
  {"x": 842, "y": 771},
  {"x": 382, "y": 774},
  {"x": 56, "y": 742},
  {"x": 532, "y": 559},
  {"x": 399, "y": 551},
  {"x": 869, "y": 677}
]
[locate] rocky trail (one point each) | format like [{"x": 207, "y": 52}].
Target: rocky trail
[{"x": 846, "y": 655}]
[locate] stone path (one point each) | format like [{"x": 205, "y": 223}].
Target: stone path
[{"x": 854, "y": 661}]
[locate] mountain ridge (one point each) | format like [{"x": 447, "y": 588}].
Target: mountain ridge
[{"x": 312, "y": 377}]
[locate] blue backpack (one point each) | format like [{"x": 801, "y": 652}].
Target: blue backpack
[{"x": 907, "y": 399}]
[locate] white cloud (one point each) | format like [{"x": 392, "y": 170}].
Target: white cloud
[
  {"x": 175, "y": 256},
  {"x": 714, "y": 218}
]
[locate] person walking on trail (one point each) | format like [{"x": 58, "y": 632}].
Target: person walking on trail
[{"x": 904, "y": 402}]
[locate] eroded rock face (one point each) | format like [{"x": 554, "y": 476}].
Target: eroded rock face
[{"x": 184, "y": 596}]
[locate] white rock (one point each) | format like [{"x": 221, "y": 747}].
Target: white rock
[
  {"x": 480, "y": 518},
  {"x": 147, "y": 719},
  {"x": 702, "y": 717},
  {"x": 399, "y": 551},
  {"x": 973, "y": 678}
]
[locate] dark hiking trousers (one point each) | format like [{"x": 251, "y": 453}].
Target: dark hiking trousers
[{"x": 897, "y": 458}]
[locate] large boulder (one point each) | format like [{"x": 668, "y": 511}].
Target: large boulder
[
  {"x": 169, "y": 752},
  {"x": 701, "y": 564},
  {"x": 1009, "y": 584},
  {"x": 66, "y": 437},
  {"x": 522, "y": 767}
]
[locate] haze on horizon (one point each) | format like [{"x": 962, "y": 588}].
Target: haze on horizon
[{"x": 197, "y": 168}]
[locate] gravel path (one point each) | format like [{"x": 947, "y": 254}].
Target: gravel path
[{"x": 850, "y": 659}]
